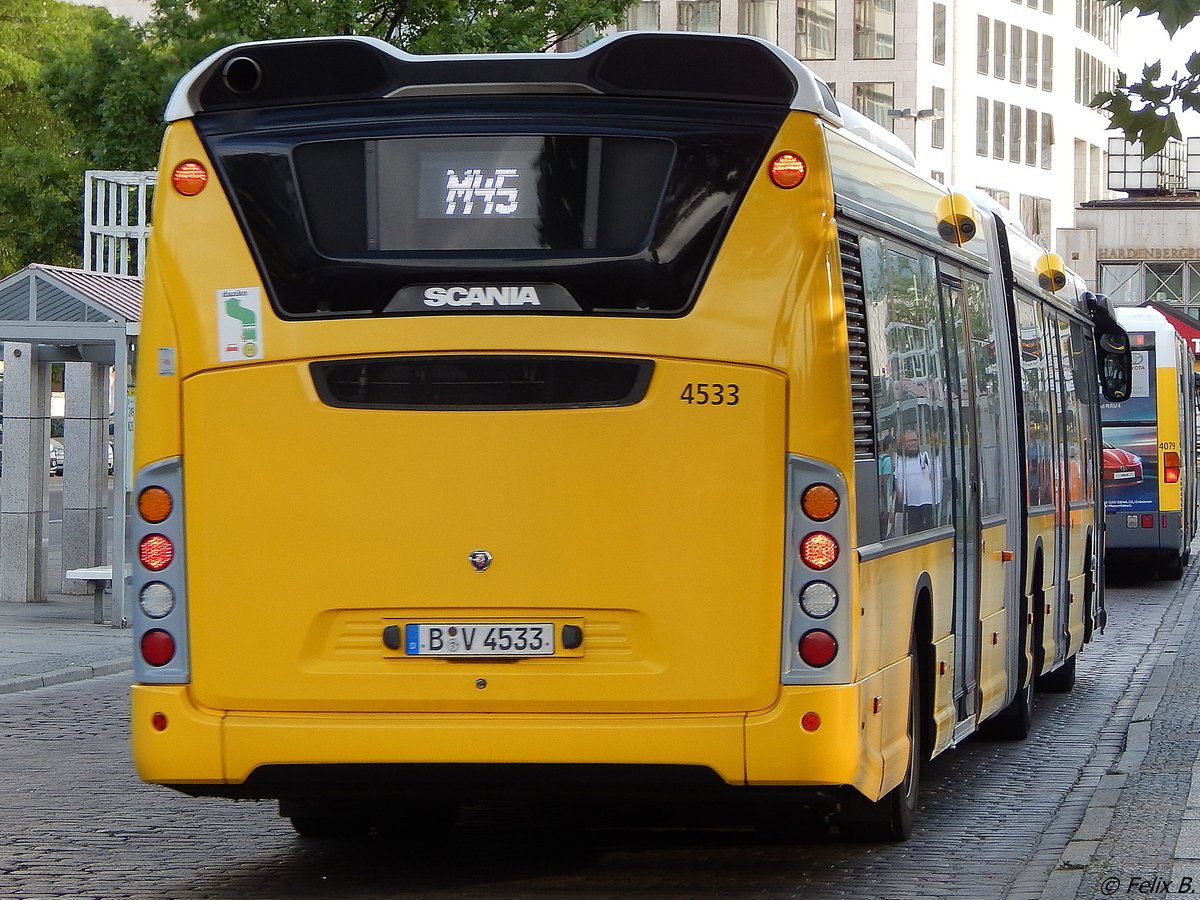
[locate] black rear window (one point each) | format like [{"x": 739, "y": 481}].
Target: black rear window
[{"x": 495, "y": 204}]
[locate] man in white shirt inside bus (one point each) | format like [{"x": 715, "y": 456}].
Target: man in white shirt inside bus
[{"x": 914, "y": 485}]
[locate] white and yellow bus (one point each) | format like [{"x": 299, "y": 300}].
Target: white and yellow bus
[
  {"x": 1149, "y": 458},
  {"x": 571, "y": 423}
]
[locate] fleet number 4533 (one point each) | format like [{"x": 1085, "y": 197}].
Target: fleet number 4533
[{"x": 702, "y": 394}]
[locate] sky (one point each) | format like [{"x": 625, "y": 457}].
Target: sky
[{"x": 1143, "y": 41}]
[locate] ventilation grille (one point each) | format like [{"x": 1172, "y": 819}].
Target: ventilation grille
[
  {"x": 856, "y": 328},
  {"x": 482, "y": 382}
]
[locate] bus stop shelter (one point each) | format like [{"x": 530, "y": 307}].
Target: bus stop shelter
[{"x": 89, "y": 321}]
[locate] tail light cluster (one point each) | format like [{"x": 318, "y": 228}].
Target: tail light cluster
[
  {"x": 816, "y": 603},
  {"x": 158, "y": 582},
  {"x": 1170, "y": 467}
]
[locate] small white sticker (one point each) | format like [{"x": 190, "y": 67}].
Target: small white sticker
[
  {"x": 239, "y": 324},
  {"x": 166, "y": 360}
]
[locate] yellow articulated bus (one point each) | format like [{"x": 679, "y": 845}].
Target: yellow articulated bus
[
  {"x": 631, "y": 418},
  {"x": 1149, "y": 456}
]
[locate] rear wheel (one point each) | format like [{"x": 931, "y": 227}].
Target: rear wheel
[
  {"x": 317, "y": 826},
  {"x": 1015, "y": 721},
  {"x": 1171, "y": 569},
  {"x": 1061, "y": 680}
]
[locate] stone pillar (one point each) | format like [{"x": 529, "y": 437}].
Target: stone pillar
[
  {"x": 85, "y": 472},
  {"x": 25, "y": 499}
]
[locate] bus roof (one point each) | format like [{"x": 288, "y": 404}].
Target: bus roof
[
  {"x": 665, "y": 64},
  {"x": 1146, "y": 318}
]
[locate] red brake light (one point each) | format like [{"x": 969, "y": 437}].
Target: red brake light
[
  {"x": 819, "y": 550},
  {"x": 818, "y": 648},
  {"x": 158, "y": 647},
  {"x": 156, "y": 552}
]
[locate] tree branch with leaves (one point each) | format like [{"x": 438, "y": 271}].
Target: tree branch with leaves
[{"x": 1146, "y": 109}]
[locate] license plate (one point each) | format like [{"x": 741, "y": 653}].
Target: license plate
[
  {"x": 479, "y": 639},
  {"x": 1122, "y": 476}
]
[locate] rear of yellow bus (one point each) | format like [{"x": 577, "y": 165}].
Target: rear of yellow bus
[
  {"x": 482, "y": 408},
  {"x": 1147, "y": 440}
]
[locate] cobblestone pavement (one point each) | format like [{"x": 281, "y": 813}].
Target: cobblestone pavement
[
  {"x": 995, "y": 818},
  {"x": 1141, "y": 834}
]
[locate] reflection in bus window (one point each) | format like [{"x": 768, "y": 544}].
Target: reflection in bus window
[{"x": 909, "y": 388}]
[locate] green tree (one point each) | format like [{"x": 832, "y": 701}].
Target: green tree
[
  {"x": 1145, "y": 109},
  {"x": 108, "y": 81},
  {"x": 40, "y": 170}
]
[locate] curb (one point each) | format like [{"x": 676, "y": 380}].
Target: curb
[{"x": 64, "y": 676}]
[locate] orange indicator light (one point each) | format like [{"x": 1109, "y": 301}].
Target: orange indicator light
[
  {"x": 820, "y": 502},
  {"x": 154, "y": 504},
  {"x": 787, "y": 170},
  {"x": 189, "y": 178}
]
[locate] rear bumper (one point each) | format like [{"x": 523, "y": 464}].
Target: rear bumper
[{"x": 276, "y": 756}]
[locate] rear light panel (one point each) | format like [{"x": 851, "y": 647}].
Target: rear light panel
[
  {"x": 158, "y": 584},
  {"x": 1171, "y": 467},
  {"x": 817, "y": 606}
]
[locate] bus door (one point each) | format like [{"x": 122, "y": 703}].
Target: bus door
[
  {"x": 962, "y": 482},
  {"x": 1058, "y": 346}
]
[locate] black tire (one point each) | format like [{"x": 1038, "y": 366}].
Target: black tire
[
  {"x": 1061, "y": 680},
  {"x": 330, "y": 827},
  {"x": 1171, "y": 569},
  {"x": 1015, "y": 721}
]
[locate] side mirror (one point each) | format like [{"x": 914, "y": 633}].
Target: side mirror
[{"x": 1114, "y": 356}]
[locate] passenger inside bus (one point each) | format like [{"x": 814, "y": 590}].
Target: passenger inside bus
[{"x": 915, "y": 478}]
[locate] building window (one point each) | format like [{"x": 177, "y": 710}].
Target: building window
[
  {"x": 937, "y": 176},
  {"x": 1031, "y": 59},
  {"x": 1047, "y": 63},
  {"x": 1014, "y": 134},
  {"x": 981, "y": 126},
  {"x": 1017, "y": 56},
  {"x": 816, "y": 29},
  {"x": 699, "y": 15},
  {"x": 873, "y": 99},
  {"x": 937, "y": 130},
  {"x": 939, "y": 33},
  {"x": 999, "y": 196},
  {"x": 1122, "y": 282},
  {"x": 641, "y": 17},
  {"x": 759, "y": 18},
  {"x": 999, "y": 48},
  {"x": 983, "y": 33},
  {"x": 874, "y": 29},
  {"x": 998, "y": 143},
  {"x": 1047, "y": 139},
  {"x": 1031, "y": 130},
  {"x": 1035, "y": 217}
]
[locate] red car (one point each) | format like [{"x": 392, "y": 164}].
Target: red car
[{"x": 1120, "y": 466}]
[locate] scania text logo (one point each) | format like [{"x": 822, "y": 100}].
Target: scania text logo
[
  {"x": 480, "y": 560},
  {"x": 508, "y": 295}
]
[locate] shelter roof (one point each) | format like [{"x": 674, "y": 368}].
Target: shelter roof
[{"x": 53, "y": 294}]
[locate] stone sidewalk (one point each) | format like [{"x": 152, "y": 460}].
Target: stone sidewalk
[
  {"x": 55, "y": 642},
  {"x": 1140, "y": 833}
]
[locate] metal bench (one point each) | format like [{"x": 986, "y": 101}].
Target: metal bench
[{"x": 99, "y": 578}]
